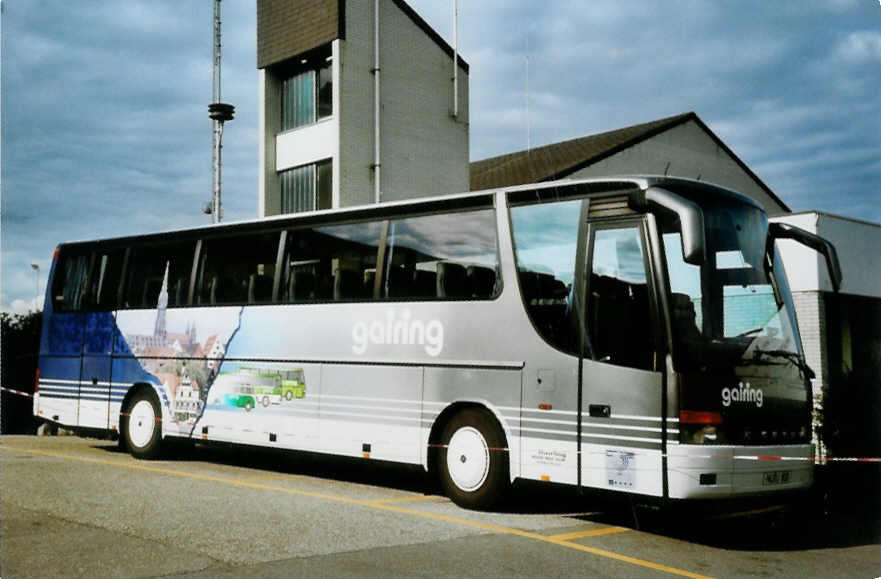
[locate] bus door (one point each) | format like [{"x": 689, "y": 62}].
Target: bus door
[
  {"x": 61, "y": 346},
  {"x": 98, "y": 326},
  {"x": 621, "y": 371}
]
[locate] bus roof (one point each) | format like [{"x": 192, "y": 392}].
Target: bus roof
[{"x": 471, "y": 199}]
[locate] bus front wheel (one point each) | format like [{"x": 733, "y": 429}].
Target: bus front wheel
[
  {"x": 474, "y": 464},
  {"x": 142, "y": 426}
]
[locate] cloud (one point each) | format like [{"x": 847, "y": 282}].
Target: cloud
[
  {"x": 861, "y": 47},
  {"x": 105, "y": 126}
]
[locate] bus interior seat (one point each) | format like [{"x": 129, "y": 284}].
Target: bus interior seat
[
  {"x": 175, "y": 293},
  {"x": 424, "y": 283},
  {"x": 212, "y": 290},
  {"x": 229, "y": 290},
  {"x": 545, "y": 296},
  {"x": 481, "y": 281},
  {"x": 301, "y": 285},
  {"x": 150, "y": 295},
  {"x": 529, "y": 286},
  {"x": 259, "y": 288},
  {"x": 451, "y": 280},
  {"x": 685, "y": 317},
  {"x": 400, "y": 282},
  {"x": 619, "y": 317},
  {"x": 369, "y": 281},
  {"x": 347, "y": 283}
]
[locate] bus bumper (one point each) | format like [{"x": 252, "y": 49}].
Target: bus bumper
[{"x": 704, "y": 471}]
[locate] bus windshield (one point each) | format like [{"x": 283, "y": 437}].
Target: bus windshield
[{"x": 732, "y": 313}]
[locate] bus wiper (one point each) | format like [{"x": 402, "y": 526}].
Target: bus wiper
[{"x": 790, "y": 356}]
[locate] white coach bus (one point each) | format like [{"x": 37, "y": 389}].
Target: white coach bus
[{"x": 633, "y": 334}]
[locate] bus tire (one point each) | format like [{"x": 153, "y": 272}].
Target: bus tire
[
  {"x": 473, "y": 467},
  {"x": 248, "y": 405},
  {"x": 265, "y": 401},
  {"x": 289, "y": 395},
  {"x": 142, "y": 426}
]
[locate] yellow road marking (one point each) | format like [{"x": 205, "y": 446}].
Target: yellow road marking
[
  {"x": 374, "y": 505},
  {"x": 265, "y": 477},
  {"x": 590, "y": 533},
  {"x": 403, "y": 499}
]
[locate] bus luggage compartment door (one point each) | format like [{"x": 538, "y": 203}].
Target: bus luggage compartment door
[
  {"x": 94, "y": 400},
  {"x": 61, "y": 350}
]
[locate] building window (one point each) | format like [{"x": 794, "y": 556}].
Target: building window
[
  {"x": 307, "y": 188},
  {"x": 307, "y": 94}
]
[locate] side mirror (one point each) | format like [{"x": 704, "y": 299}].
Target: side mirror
[
  {"x": 691, "y": 219},
  {"x": 815, "y": 242}
]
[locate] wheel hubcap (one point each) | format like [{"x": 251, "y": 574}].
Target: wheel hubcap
[
  {"x": 468, "y": 458},
  {"x": 141, "y": 423}
]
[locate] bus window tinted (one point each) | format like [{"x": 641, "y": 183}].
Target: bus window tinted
[
  {"x": 105, "y": 272},
  {"x": 69, "y": 283},
  {"x": 237, "y": 270},
  {"x": 450, "y": 256},
  {"x": 619, "y": 316},
  {"x": 545, "y": 238},
  {"x": 331, "y": 263},
  {"x": 157, "y": 272}
]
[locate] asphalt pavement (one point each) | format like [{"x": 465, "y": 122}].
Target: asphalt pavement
[{"x": 76, "y": 507}]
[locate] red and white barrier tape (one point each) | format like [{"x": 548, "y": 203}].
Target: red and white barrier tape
[
  {"x": 765, "y": 457},
  {"x": 756, "y": 457},
  {"x": 19, "y": 392}
]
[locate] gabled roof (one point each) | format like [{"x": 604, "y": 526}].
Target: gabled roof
[{"x": 559, "y": 160}]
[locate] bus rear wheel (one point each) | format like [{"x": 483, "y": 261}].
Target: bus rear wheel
[
  {"x": 473, "y": 466},
  {"x": 142, "y": 426}
]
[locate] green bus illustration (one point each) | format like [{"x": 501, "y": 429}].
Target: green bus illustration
[
  {"x": 272, "y": 385},
  {"x": 243, "y": 398}
]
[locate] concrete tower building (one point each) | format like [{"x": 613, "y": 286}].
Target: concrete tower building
[{"x": 356, "y": 105}]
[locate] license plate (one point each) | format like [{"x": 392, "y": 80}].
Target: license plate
[{"x": 777, "y": 477}]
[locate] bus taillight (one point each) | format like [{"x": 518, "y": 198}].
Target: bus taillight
[
  {"x": 699, "y": 427},
  {"x": 699, "y": 417},
  {"x": 37, "y": 382}
]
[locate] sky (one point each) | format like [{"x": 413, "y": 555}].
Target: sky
[{"x": 105, "y": 129}]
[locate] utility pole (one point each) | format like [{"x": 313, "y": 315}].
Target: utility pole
[
  {"x": 36, "y": 269},
  {"x": 219, "y": 113}
]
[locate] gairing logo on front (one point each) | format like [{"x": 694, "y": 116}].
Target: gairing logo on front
[
  {"x": 743, "y": 393},
  {"x": 398, "y": 328}
]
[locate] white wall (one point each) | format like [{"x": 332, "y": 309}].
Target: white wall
[
  {"x": 307, "y": 144},
  {"x": 690, "y": 152},
  {"x": 857, "y": 243}
]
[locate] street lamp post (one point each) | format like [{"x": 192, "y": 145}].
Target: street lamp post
[{"x": 36, "y": 269}]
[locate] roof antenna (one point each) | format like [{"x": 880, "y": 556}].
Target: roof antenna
[
  {"x": 528, "y": 124},
  {"x": 219, "y": 113}
]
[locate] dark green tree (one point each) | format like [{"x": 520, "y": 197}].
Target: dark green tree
[{"x": 20, "y": 342}]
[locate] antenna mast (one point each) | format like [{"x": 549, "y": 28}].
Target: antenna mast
[{"x": 219, "y": 113}]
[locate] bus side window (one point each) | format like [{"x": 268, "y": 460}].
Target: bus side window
[
  {"x": 104, "y": 277},
  {"x": 237, "y": 269},
  {"x": 619, "y": 316},
  {"x": 69, "y": 284},
  {"x": 545, "y": 241},
  {"x": 159, "y": 275},
  {"x": 334, "y": 263},
  {"x": 443, "y": 256}
]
